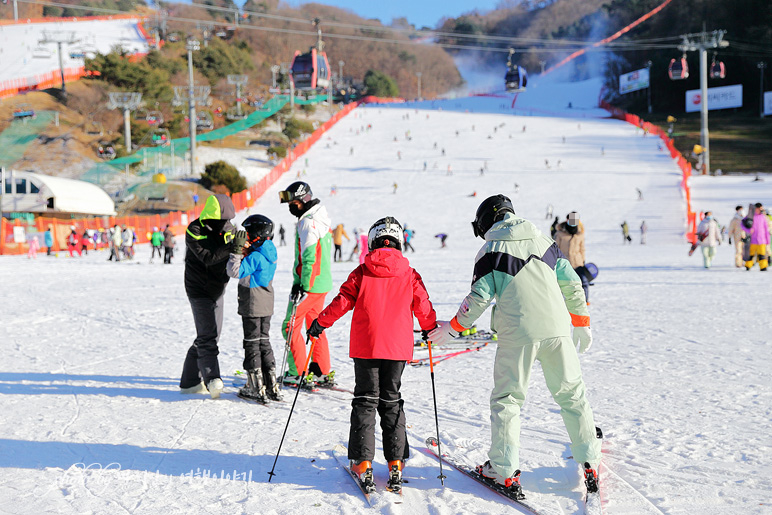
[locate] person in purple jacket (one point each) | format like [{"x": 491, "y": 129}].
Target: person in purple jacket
[{"x": 758, "y": 228}]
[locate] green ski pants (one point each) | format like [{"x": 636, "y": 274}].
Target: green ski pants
[{"x": 511, "y": 374}]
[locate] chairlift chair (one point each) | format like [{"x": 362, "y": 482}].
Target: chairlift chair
[
  {"x": 155, "y": 118},
  {"x": 41, "y": 52},
  {"x": 160, "y": 137},
  {"x": 234, "y": 114},
  {"x": 141, "y": 115},
  {"x": 94, "y": 129},
  {"x": 106, "y": 151},
  {"x": 678, "y": 69},
  {"x": 204, "y": 121}
]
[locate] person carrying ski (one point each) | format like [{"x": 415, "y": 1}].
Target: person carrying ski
[
  {"x": 570, "y": 240},
  {"x": 311, "y": 281},
  {"x": 537, "y": 293},
  {"x": 758, "y": 228},
  {"x": 626, "y": 233},
  {"x": 337, "y": 237},
  {"x": 254, "y": 265},
  {"x": 710, "y": 237},
  {"x": 209, "y": 240},
  {"x": 384, "y": 292}
]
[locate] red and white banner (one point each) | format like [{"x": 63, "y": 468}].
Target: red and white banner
[{"x": 725, "y": 97}]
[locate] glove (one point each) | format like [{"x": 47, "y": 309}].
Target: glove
[
  {"x": 238, "y": 242},
  {"x": 316, "y": 329},
  {"x": 297, "y": 293},
  {"x": 583, "y": 338},
  {"x": 443, "y": 333}
]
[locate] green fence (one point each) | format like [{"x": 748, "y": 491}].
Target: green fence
[{"x": 15, "y": 139}]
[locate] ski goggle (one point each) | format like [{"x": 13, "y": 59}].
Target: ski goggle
[{"x": 286, "y": 196}]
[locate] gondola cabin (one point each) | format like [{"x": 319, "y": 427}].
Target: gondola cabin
[
  {"x": 678, "y": 69},
  {"x": 717, "y": 70},
  {"x": 516, "y": 79},
  {"x": 311, "y": 70}
]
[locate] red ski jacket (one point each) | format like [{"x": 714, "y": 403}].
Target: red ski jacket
[{"x": 384, "y": 292}]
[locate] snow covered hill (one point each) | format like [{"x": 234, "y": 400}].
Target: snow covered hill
[{"x": 92, "y": 350}]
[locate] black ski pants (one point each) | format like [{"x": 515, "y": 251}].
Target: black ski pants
[
  {"x": 338, "y": 254},
  {"x": 377, "y": 389},
  {"x": 258, "y": 353},
  {"x": 201, "y": 361},
  {"x": 155, "y": 249},
  {"x": 168, "y": 254},
  {"x": 408, "y": 246}
]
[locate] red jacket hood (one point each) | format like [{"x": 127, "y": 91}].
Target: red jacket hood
[{"x": 387, "y": 263}]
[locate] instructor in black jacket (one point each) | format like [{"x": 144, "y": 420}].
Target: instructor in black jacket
[{"x": 209, "y": 241}]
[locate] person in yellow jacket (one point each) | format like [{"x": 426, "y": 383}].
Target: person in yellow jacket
[
  {"x": 538, "y": 297},
  {"x": 337, "y": 238}
]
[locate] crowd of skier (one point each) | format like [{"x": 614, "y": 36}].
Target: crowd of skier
[{"x": 533, "y": 280}]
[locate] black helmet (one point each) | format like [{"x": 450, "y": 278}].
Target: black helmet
[
  {"x": 298, "y": 190},
  {"x": 259, "y": 228},
  {"x": 491, "y": 211},
  {"x": 386, "y": 232}
]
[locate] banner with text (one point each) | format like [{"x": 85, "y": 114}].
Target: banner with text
[
  {"x": 633, "y": 81},
  {"x": 725, "y": 97},
  {"x": 767, "y": 103}
]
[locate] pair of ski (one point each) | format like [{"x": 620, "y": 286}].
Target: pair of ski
[
  {"x": 341, "y": 456},
  {"x": 592, "y": 498}
]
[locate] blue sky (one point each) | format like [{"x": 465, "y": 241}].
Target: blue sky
[{"x": 418, "y": 12}]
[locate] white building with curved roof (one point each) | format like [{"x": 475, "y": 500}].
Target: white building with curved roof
[{"x": 27, "y": 192}]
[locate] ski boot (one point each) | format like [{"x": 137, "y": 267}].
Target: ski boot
[
  {"x": 290, "y": 380},
  {"x": 364, "y": 473},
  {"x": 395, "y": 476},
  {"x": 199, "y": 388},
  {"x": 512, "y": 484},
  {"x": 272, "y": 387},
  {"x": 326, "y": 381},
  {"x": 590, "y": 478},
  {"x": 215, "y": 387},
  {"x": 255, "y": 389}
]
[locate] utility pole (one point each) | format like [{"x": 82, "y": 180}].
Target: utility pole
[
  {"x": 419, "y": 84},
  {"x": 274, "y": 70},
  {"x": 761, "y": 65},
  {"x": 190, "y": 46},
  {"x": 701, "y": 42},
  {"x": 239, "y": 81},
  {"x": 15, "y": 11},
  {"x": 648, "y": 90},
  {"x": 60, "y": 38}
]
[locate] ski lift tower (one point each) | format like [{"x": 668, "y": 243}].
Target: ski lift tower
[
  {"x": 239, "y": 81},
  {"x": 60, "y": 38},
  {"x": 191, "y": 45},
  {"x": 126, "y": 101},
  {"x": 701, "y": 42}
]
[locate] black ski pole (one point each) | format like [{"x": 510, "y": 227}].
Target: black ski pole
[
  {"x": 300, "y": 383},
  {"x": 436, "y": 418}
]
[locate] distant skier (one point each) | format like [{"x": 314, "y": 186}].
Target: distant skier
[
  {"x": 34, "y": 247},
  {"x": 737, "y": 236},
  {"x": 85, "y": 239},
  {"x": 156, "y": 242},
  {"x": 640, "y": 193},
  {"x": 554, "y": 227},
  {"x": 759, "y": 233},
  {"x": 536, "y": 292},
  {"x": 626, "y": 233},
  {"x": 254, "y": 265},
  {"x": 710, "y": 238},
  {"x": 395, "y": 186},
  {"x": 442, "y": 236},
  {"x": 644, "y": 230},
  {"x": 209, "y": 240},
  {"x": 168, "y": 245},
  {"x": 337, "y": 239},
  {"x": 409, "y": 233},
  {"x": 570, "y": 240},
  {"x": 549, "y": 211},
  {"x": 116, "y": 241},
  {"x": 385, "y": 293},
  {"x": 72, "y": 241},
  {"x": 48, "y": 239},
  {"x": 282, "y": 232},
  {"x": 517, "y": 188}
]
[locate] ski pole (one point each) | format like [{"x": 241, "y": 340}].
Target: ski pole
[
  {"x": 436, "y": 418},
  {"x": 288, "y": 342},
  {"x": 300, "y": 383}
]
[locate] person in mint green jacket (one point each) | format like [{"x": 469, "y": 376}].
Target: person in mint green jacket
[
  {"x": 537, "y": 297},
  {"x": 311, "y": 280},
  {"x": 156, "y": 241}
]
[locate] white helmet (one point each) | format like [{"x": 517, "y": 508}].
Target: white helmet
[{"x": 386, "y": 229}]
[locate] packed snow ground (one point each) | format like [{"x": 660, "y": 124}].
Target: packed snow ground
[{"x": 92, "y": 350}]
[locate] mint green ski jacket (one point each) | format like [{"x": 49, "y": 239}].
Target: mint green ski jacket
[{"x": 538, "y": 295}]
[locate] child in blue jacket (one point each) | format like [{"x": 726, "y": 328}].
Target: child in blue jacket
[{"x": 254, "y": 266}]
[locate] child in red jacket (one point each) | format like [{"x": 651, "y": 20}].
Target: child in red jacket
[{"x": 385, "y": 293}]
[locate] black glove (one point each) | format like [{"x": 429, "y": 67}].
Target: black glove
[
  {"x": 425, "y": 335},
  {"x": 316, "y": 329},
  {"x": 238, "y": 242},
  {"x": 297, "y": 293}
]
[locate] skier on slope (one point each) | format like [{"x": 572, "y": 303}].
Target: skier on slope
[
  {"x": 709, "y": 237},
  {"x": 570, "y": 239},
  {"x": 209, "y": 241},
  {"x": 759, "y": 233},
  {"x": 311, "y": 280},
  {"x": 537, "y": 293},
  {"x": 384, "y": 292},
  {"x": 254, "y": 265},
  {"x": 737, "y": 235}
]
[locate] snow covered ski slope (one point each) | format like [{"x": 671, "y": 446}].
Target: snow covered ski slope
[{"x": 92, "y": 350}]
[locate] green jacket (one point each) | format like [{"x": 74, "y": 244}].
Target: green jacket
[
  {"x": 536, "y": 290},
  {"x": 313, "y": 251},
  {"x": 157, "y": 239}
]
